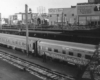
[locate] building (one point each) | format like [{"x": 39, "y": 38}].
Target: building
[
  {"x": 62, "y": 16},
  {"x": 32, "y": 17},
  {"x": 20, "y": 17},
  {"x": 94, "y": 1},
  {"x": 88, "y": 14},
  {"x": 0, "y": 21}
]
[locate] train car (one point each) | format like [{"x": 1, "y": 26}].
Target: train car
[
  {"x": 15, "y": 41},
  {"x": 74, "y": 53}
]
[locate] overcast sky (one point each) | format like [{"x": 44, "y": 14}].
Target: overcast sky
[{"x": 9, "y": 7}]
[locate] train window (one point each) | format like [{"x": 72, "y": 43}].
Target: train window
[
  {"x": 65, "y": 14},
  {"x": 79, "y": 55},
  {"x": 64, "y": 52},
  {"x": 23, "y": 44},
  {"x": 71, "y": 53},
  {"x": 13, "y": 42},
  {"x": 35, "y": 45},
  {"x": 49, "y": 49},
  {"x": 16, "y": 42},
  {"x": 55, "y": 50},
  {"x": 87, "y": 57}
]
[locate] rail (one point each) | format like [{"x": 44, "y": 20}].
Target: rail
[{"x": 33, "y": 68}]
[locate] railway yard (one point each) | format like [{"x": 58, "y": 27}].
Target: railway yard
[
  {"x": 48, "y": 66},
  {"x": 62, "y": 70},
  {"x": 61, "y": 44},
  {"x": 53, "y": 66},
  {"x": 10, "y": 72}
]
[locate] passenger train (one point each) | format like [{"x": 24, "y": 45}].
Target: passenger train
[{"x": 74, "y": 53}]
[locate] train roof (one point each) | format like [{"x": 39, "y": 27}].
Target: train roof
[
  {"x": 71, "y": 46},
  {"x": 33, "y": 31}
]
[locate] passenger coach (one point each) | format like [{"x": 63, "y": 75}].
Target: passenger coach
[{"x": 74, "y": 53}]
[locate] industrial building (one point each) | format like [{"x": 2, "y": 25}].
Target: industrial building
[
  {"x": 88, "y": 14},
  {"x": 65, "y": 16},
  {"x": 32, "y": 18},
  {"x": 81, "y": 14},
  {"x": 94, "y": 1}
]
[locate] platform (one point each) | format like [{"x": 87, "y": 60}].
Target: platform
[
  {"x": 10, "y": 72},
  {"x": 65, "y": 69}
]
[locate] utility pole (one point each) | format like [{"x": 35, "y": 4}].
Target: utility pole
[
  {"x": 57, "y": 19},
  {"x": 62, "y": 21},
  {"x": 0, "y": 22},
  {"x": 27, "y": 34},
  {"x": 30, "y": 11}
]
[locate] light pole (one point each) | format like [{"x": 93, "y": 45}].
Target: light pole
[{"x": 27, "y": 34}]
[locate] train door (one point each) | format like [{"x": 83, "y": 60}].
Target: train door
[{"x": 35, "y": 48}]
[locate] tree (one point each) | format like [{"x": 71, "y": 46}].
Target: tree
[{"x": 39, "y": 21}]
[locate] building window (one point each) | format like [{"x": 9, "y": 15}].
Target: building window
[
  {"x": 55, "y": 50},
  {"x": 87, "y": 57},
  {"x": 79, "y": 55},
  {"x": 65, "y": 14},
  {"x": 71, "y": 53},
  {"x": 57, "y": 15},
  {"x": 50, "y": 15}
]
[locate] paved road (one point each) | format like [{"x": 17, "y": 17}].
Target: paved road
[{"x": 10, "y": 72}]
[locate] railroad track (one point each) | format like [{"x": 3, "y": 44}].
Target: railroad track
[{"x": 33, "y": 68}]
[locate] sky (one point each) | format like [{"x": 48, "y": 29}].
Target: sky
[{"x": 10, "y": 7}]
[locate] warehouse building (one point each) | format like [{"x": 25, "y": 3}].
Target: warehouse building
[
  {"x": 65, "y": 16},
  {"x": 88, "y": 14}
]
